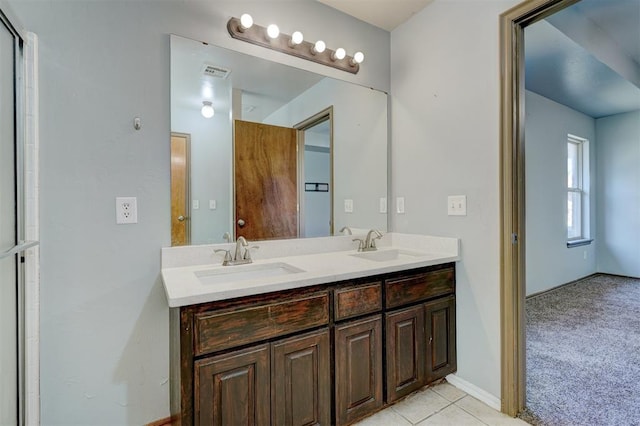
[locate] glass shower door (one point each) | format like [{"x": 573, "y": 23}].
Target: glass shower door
[{"x": 11, "y": 248}]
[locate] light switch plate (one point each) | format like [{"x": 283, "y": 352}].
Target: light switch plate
[
  {"x": 457, "y": 205},
  {"x": 196, "y": 204},
  {"x": 400, "y": 205},
  {"x": 213, "y": 205},
  {"x": 383, "y": 205},
  {"x": 348, "y": 206}
]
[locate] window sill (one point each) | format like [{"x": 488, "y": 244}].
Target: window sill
[{"x": 578, "y": 243}]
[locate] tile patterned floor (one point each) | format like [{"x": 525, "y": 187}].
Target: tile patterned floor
[{"x": 442, "y": 404}]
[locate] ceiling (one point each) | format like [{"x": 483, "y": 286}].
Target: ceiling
[
  {"x": 264, "y": 85},
  {"x": 385, "y": 14},
  {"x": 587, "y": 57}
]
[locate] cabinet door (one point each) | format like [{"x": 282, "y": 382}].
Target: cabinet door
[
  {"x": 233, "y": 389},
  {"x": 406, "y": 358},
  {"x": 301, "y": 380},
  {"x": 441, "y": 337},
  {"x": 358, "y": 369}
]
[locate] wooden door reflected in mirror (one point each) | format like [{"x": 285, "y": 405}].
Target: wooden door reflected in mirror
[{"x": 265, "y": 170}]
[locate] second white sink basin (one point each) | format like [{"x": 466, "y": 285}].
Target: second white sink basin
[
  {"x": 227, "y": 274},
  {"x": 386, "y": 255}
]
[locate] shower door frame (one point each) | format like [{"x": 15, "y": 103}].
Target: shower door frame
[{"x": 26, "y": 250}]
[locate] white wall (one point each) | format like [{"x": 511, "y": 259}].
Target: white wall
[
  {"x": 317, "y": 205},
  {"x": 618, "y": 183},
  {"x": 550, "y": 262},
  {"x": 104, "y": 329},
  {"x": 445, "y": 141}
]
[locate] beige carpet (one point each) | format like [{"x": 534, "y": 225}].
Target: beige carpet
[{"x": 583, "y": 354}]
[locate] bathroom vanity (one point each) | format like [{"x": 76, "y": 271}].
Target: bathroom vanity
[{"x": 328, "y": 338}]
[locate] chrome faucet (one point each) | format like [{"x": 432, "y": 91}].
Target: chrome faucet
[
  {"x": 369, "y": 244},
  {"x": 242, "y": 253},
  {"x": 240, "y": 243}
]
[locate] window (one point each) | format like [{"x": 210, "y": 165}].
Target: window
[{"x": 577, "y": 181}]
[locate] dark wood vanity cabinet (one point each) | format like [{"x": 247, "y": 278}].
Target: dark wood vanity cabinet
[
  {"x": 301, "y": 380},
  {"x": 322, "y": 355},
  {"x": 358, "y": 382},
  {"x": 231, "y": 389},
  {"x": 441, "y": 337},
  {"x": 406, "y": 356}
]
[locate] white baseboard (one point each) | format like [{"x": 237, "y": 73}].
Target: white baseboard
[{"x": 473, "y": 390}]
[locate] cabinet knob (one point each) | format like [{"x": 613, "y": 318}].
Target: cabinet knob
[{"x": 241, "y": 223}]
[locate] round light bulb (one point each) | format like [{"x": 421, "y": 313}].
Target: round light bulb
[
  {"x": 246, "y": 21},
  {"x": 296, "y": 37},
  {"x": 319, "y": 46},
  {"x": 339, "y": 54},
  {"x": 207, "y": 109},
  {"x": 273, "y": 31},
  {"x": 358, "y": 57}
]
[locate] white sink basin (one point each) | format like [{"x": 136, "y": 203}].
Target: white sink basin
[
  {"x": 386, "y": 255},
  {"x": 227, "y": 274}
]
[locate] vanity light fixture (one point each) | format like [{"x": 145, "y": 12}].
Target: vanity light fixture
[
  {"x": 273, "y": 31},
  {"x": 246, "y": 22},
  {"x": 270, "y": 37},
  {"x": 319, "y": 47},
  {"x": 339, "y": 54},
  {"x": 296, "y": 39},
  {"x": 358, "y": 58},
  {"x": 207, "y": 109}
]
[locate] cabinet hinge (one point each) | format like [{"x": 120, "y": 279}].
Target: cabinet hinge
[{"x": 514, "y": 238}]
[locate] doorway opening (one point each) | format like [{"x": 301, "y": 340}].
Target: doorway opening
[
  {"x": 549, "y": 113},
  {"x": 512, "y": 195},
  {"x": 315, "y": 174}
]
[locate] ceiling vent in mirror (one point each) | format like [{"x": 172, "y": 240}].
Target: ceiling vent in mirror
[{"x": 215, "y": 71}]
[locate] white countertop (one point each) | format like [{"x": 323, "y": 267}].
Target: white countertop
[{"x": 321, "y": 260}]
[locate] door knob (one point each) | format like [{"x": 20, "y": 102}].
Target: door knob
[
  {"x": 241, "y": 223},
  {"x": 181, "y": 218}
]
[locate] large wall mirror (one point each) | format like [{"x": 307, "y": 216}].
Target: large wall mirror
[{"x": 287, "y": 153}]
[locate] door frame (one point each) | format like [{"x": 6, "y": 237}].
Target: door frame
[
  {"x": 301, "y": 127},
  {"x": 512, "y": 195}
]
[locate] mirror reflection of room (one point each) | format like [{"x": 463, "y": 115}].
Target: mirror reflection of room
[{"x": 268, "y": 151}]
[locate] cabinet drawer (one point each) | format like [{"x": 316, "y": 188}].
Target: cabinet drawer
[
  {"x": 215, "y": 331},
  {"x": 353, "y": 301},
  {"x": 414, "y": 288}
]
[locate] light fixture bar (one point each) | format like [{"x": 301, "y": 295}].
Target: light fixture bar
[{"x": 256, "y": 34}]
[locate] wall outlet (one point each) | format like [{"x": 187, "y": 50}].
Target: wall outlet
[
  {"x": 383, "y": 205},
  {"x": 213, "y": 205},
  {"x": 126, "y": 210},
  {"x": 457, "y": 205},
  {"x": 348, "y": 206},
  {"x": 400, "y": 205},
  {"x": 196, "y": 204}
]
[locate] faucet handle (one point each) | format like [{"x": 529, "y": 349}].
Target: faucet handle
[
  {"x": 227, "y": 256},
  {"x": 373, "y": 240},
  {"x": 360, "y": 243},
  {"x": 247, "y": 252}
]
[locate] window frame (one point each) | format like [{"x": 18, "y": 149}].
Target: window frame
[{"x": 582, "y": 170}]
